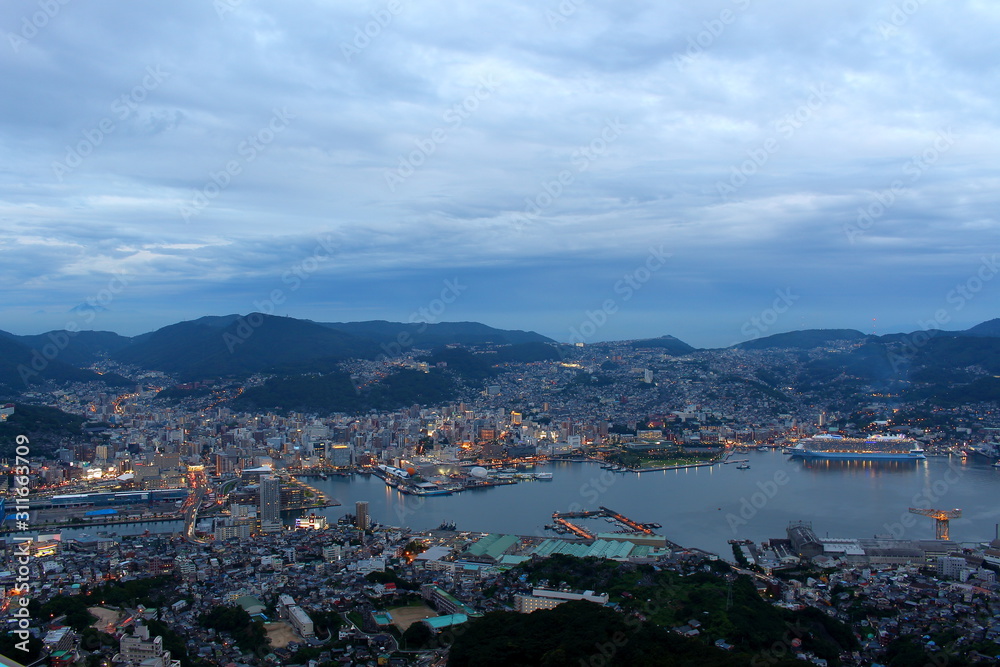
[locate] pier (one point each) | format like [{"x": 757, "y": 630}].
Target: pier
[
  {"x": 573, "y": 528},
  {"x": 560, "y": 519},
  {"x": 681, "y": 466},
  {"x": 634, "y": 525}
]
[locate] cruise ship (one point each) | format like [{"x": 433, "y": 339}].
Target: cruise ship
[{"x": 874, "y": 448}]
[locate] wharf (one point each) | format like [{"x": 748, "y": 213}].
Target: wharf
[
  {"x": 681, "y": 466},
  {"x": 560, "y": 519}
]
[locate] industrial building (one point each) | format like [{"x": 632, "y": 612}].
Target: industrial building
[
  {"x": 804, "y": 540},
  {"x": 115, "y": 498}
]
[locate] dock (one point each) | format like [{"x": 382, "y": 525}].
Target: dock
[
  {"x": 682, "y": 466},
  {"x": 573, "y": 528},
  {"x": 561, "y": 519}
]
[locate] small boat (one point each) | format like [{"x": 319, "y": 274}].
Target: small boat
[
  {"x": 762, "y": 448},
  {"x": 997, "y": 464},
  {"x": 544, "y": 476},
  {"x": 743, "y": 466}
]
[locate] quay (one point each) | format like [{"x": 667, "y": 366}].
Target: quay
[
  {"x": 560, "y": 519},
  {"x": 681, "y": 466}
]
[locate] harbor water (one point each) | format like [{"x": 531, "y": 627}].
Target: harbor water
[
  {"x": 701, "y": 507},
  {"x": 706, "y": 507}
]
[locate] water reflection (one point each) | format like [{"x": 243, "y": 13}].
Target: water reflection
[{"x": 862, "y": 467}]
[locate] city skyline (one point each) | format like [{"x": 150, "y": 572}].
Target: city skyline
[{"x": 677, "y": 168}]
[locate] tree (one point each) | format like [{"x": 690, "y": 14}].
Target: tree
[
  {"x": 417, "y": 636},
  {"x": 249, "y": 634},
  {"x": 11, "y": 646}
]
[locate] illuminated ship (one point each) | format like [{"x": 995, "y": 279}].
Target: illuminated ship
[{"x": 874, "y": 448}]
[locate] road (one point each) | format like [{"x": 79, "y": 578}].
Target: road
[{"x": 199, "y": 481}]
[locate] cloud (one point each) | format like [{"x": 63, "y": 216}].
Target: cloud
[{"x": 750, "y": 137}]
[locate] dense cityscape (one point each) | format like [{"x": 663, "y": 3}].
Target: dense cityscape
[
  {"x": 162, "y": 524},
  {"x": 499, "y": 334}
]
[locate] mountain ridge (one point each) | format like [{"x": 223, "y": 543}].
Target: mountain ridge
[{"x": 236, "y": 345}]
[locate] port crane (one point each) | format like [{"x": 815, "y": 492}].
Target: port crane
[{"x": 941, "y": 518}]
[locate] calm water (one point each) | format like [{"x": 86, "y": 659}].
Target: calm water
[
  {"x": 706, "y": 507},
  {"x": 699, "y": 507}
]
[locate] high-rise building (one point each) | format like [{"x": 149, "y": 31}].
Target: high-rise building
[
  {"x": 361, "y": 519},
  {"x": 339, "y": 455},
  {"x": 270, "y": 503}
]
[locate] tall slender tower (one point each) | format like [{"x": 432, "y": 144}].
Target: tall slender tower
[
  {"x": 361, "y": 514},
  {"x": 270, "y": 503}
]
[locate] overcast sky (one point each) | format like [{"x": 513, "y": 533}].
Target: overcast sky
[{"x": 716, "y": 170}]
